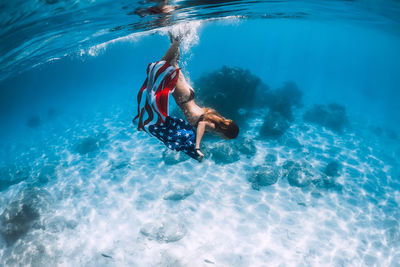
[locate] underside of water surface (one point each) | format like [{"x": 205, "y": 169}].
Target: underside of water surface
[{"x": 313, "y": 179}]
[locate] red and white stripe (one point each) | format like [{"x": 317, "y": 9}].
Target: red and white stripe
[{"x": 161, "y": 80}]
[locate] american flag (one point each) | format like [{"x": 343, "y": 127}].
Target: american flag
[
  {"x": 161, "y": 80},
  {"x": 176, "y": 134}
]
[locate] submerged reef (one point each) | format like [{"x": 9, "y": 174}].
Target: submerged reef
[
  {"x": 284, "y": 99},
  {"x": 33, "y": 122},
  {"x": 11, "y": 175},
  {"x": 246, "y": 146},
  {"x": 58, "y": 224},
  {"x": 165, "y": 231},
  {"x": 332, "y": 116},
  {"x": 333, "y": 168},
  {"x": 326, "y": 183},
  {"x": 179, "y": 193},
  {"x": 290, "y": 141},
  {"x": 384, "y": 132},
  {"x": 88, "y": 145},
  {"x": 229, "y": 90},
  {"x": 51, "y": 112},
  {"x": 281, "y": 103},
  {"x": 47, "y": 173},
  {"x": 224, "y": 153},
  {"x": 22, "y": 214},
  {"x": 391, "y": 133},
  {"x": 274, "y": 126},
  {"x": 297, "y": 174},
  {"x": 264, "y": 175}
]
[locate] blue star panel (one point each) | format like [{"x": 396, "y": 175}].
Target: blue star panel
[{"x": 177, "y": 135}]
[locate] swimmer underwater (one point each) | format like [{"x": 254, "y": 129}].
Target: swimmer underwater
[{"x": 164, "y": 77}]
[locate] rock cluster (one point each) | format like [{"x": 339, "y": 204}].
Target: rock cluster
[
  {"x": 332, "y": 116},
  {"x": 229, "y": 90},
  {"x": 22, "y": 214},
  {"x": 281, "y": 103}
]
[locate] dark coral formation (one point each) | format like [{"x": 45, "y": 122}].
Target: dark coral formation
[
  {"x": 264, "y": 175},
  {"x": 228, "y": 90},
  {"x": 377, "y": 130},
  {"x": 180, "y": 193},
  {"x": 333, "y": 168},
  {"x": 270, "y": 158},
  {"x": 299, "y": 174},
  {"x": 384, "y": 132},
  {"x": 392, "y": 134},
  {"x": 17, "y": 220},
  {"x": 224, "y": 153},
  {"x": 90, "y": 144},
  {"x": 274, "y": 126},
  {"x": 11, "y": 175},
  {"x": 14, "y": 174},
  {"x": 33, "y": 122},
  {"x": 326, "y": 183},
  {"x": 51, "y": 112},
  {"x": 284, "y": 99},
  {"x": 291, "y": 142},
  {"x": 57, "y": 224},
  {"x": 47, "y": 173},
  {"x": 332, "y": 116},
  {"x": 281, "y": 103},
  {"x": 167, "y": 231},
  {"x": 246, "y": 146},
  {"x": 20, "y": 215},
  {"x": 302, "y": 174},
  {"x": 87, "y": 145}
]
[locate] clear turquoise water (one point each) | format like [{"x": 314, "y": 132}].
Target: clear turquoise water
[{"x": 79, "y": 186}]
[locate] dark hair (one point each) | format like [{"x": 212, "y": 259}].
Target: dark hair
[
  {"x": 227, "y": 127},
  {"x": 231, "y": 131}
]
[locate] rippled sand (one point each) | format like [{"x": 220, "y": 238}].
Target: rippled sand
[{"x": 101, "y": 194}]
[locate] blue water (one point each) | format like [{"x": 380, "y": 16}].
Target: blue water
[{"x": 307, "y": 183}]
